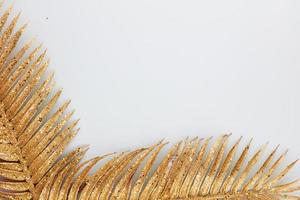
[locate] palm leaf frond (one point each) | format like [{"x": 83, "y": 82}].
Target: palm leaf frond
[
  {"x": 32, "y": 139},
  {"x": 191, "y": 170},
  {"x": 34, "y": 132}
]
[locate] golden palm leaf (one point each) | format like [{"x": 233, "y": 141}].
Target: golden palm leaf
[{"x": 34, "y": 135}]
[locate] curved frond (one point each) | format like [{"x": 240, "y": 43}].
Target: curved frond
[
  {"x": 33, "y": 132},
  {"x": 192, "y": 170}
]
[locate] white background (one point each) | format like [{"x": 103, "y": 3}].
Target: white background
[{"x": 138, "y": 71}]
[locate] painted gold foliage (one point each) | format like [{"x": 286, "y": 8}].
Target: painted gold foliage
[{"x": 34, "y": 132}]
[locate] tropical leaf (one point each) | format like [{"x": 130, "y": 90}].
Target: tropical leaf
[{"x": 34, "y": 132}]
